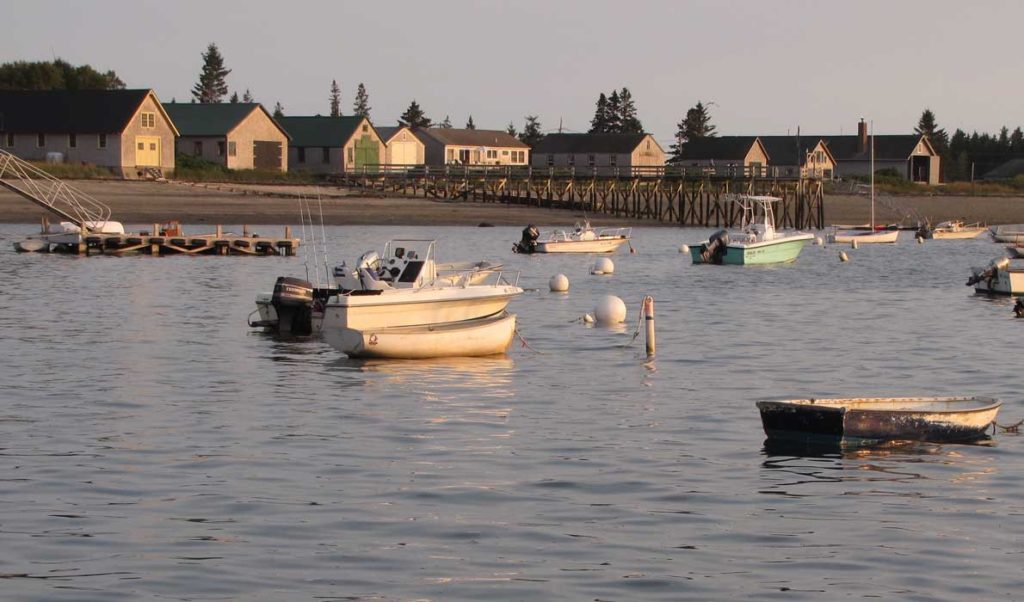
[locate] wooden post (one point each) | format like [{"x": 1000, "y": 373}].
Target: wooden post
[{"x": 220, "y": 231}]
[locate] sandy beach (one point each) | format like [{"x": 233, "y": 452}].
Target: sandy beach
[{"x": 151, "y": 202}]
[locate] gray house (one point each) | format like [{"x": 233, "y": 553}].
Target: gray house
[
  {"x": 332, "y": 144},
  {"x": 127, "y": 131},
  {"x": 598, "y": 151},
  {"x": 237, "y": 135}
]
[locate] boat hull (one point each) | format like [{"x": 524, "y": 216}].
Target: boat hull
[
  {"x": 866, "y": 238},
  {"x": 1005, "y": 281},
  {"x": 871, "y": 421},
  {"x": 601, "y": 245},
  {"x": 764, "y": 253},
  {"x": 957, "y": 234},
  {"x": 416, "y": 307},
  {"x": 472, "y": 338}
]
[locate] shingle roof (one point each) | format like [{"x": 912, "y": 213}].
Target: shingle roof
[
  {"x": 554, "y": 144},
  {"x": 1007, "y": 171},
  {"x": 887, "y": 147},
  {"x": 462, "y": 137},
  {"x": 210, "y": 119},
  {"x": 66, "y": 111},
  {"x": 719, "y": 148},
  {"x": 789, "y": 150},
  {"x": 320, "y": 131}
]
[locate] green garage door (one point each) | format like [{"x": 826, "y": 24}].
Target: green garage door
[{"x": 367, "y": 154}]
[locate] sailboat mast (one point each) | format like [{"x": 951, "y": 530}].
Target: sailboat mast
[{"x": 872, "y": 132}]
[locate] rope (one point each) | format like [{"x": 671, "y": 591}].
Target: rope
[
  {"x": 525, "y": 344},
  {"x": 1009, "y": 428},
  {"x": 639, "y": 323}
]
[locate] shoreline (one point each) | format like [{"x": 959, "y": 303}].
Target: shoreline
[{"x": 147, "y": 202}]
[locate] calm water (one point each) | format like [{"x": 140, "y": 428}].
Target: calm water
[{"x": 152, "y": 447}]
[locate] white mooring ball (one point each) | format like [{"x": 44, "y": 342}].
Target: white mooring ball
[
  {"x": 604, "y": 266},
  {"x": 818, "y": 241},
  {"x": 684, "y": 248},
  {"x": 559, "y": 283},
  {"x": 610, "y": 310},
  {"x": 843, "y": 256}
]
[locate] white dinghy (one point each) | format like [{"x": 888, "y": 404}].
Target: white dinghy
[{"x": 471, "y": 338}]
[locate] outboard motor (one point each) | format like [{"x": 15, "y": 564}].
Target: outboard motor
[
  {"x": 714, "y": 249},
  {"x": 990, "y": 272},
  {"x": 293, "y": 302},
  {"x": 528, "y": 244}
]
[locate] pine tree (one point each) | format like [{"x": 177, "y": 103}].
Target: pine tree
[
  {"x": 531, "y": 131},
  {"x": 234, "y": 98},
  {"x": 599, "y": 124},
  {"x": 414, "y": 117},
  {"x": 927, "y": 126},
  {"x": 278, "y": 109},
  {"x": 1017, "y": 141},
  {"x": 335, "y": 99},
  {"x": 247, "y": 96},
  {"x": 697, "y": 124},
  {"x": 446, "y": 124},
  {"x": 613, "y": 125},
  {"x": 629, "y": 123},
  {"x": 212, "y": 86},
  {"x": 511, "y": 130},
  {"x": 361, "y": 107},
  {"x": 469, "y": 123}
]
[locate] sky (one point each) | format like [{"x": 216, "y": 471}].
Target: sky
[{"x": 765, "y": 67}]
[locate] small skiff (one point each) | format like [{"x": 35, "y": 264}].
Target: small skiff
[
  {"x": 874, "y": 420},
  {"x": 470, "y": 338}
]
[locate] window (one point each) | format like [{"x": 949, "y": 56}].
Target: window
[
  {"x": 101, "y": 141},
  {"x": 504, "y": 153},
  {"x": 591, "y": 160},
  {"x": 451, "y": 155},
  {"x": 197, "y": 148},
  {"x": 492, "y": 154},
  {"x": 142, "y": 146},
  {"x": 551, "y": 160},
  {"x": 302, "y": 154},
  {"x": 366, "y": 128},
  {"x": 648, "y": 145},
  {"x": 613, "y": 160},
  {"x": 351, "y": 155},
  {"x": 147, "y": 120},
  {"x": 222, "y": 148},
  {"x": 72, "y": 141},
  {"x": 572, "y": 159},
  {"x": 326, "y": 154},
  {"x": 232, "y": 149},
  {"x": 41, "y": 140},
  {"x": 152, "y": 146},
  {"x": 10, "y": 140}
]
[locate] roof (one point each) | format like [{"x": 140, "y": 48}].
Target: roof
[
  {"x": 463, "y": 137},
  {"x": 719, "y": 148},
  {"x": 212, "y": 119},
  {"x": 388, "y": 132},
  {"x": 789, "y": 150},
  {"x": 555, "y": 144},
  {"x": 1007, "y": 171},
  {"x": 321, "y": 131},
  {"x": 887, "y": 147},
  {"x": 69, "y": 111}
]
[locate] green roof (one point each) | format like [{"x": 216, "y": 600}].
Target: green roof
[
  {"x": 210, "y": 119},
  {"x": 320, "y": 131}
]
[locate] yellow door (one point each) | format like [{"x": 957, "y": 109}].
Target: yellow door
[{"x": 147, "y": 151}]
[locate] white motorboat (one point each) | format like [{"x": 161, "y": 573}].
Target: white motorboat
[
  {"x": 581, "y": 239},
  {"x": 953, "y": 229},
  {"x": 1008, "y": 233},
  {"x": 69, "y": 235},
  {"x": 471, "y": 338},
  {"x": 401, "y": 287},
  {"x": 756, "y": 243},
  {"x": 1004, "y": 276}
]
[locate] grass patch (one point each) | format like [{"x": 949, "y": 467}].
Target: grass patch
[{"x": 75, "y": 171}]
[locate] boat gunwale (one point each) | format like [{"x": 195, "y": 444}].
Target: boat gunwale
[{"x": 837, "y": 404}]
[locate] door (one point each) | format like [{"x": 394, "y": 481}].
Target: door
[
  {"x": 403, "y": 153},
  {"x": 266, "y": 154},
  {"x": 367, "y": 154},
  {"x": 147, "y": 151}
]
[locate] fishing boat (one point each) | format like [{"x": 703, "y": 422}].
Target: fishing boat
[
  {"x": 581, "y": 239},
  {"x": 872, "y": 235},
  {"x": 953, "y": 229},
  {"x": 756, "y": 243},
  {"x": 470, "y": 338},
  {"x": 1003, "y": 276},
  {"x": 874, "y": 420}
]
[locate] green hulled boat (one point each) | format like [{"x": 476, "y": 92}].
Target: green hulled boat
[{"x": 756, "y": 243}]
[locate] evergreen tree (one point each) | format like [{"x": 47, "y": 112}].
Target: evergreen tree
[
  {"x": 361, "y": 106},
  {"x": 531, "y": 131},
  {"x": 212, "y": 87},
  {"x": 335, "y": 99},
  {"x": 278, "y": 109},
  {"x": 414, "y": 117},
  {"x": 234, "y": 98},
  {"x": 247, "y": 96},
  {"x": 613, "y": 124},
  {"x": 55, "y": 75},
  {"x": 446, "y": 124},
  {"x": 629, "y": 123},
  {"x": 599, "y": 124},
  {"x": 511, "y": 130},
  {"x": 1017, "y": 141},
  {"x": 696, "y": 124},
  {"x": 927, "y": 126},
  {"x": 469, "y": 123}
]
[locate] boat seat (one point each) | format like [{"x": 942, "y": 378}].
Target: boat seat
[{"x": 411, "y": 272}]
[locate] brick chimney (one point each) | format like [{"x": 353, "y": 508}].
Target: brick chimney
[{"x": 862, "y": 137}]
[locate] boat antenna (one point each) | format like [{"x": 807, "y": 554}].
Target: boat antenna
[
  {"x": 871, "y": 127},
  {"x": 323, "y": 236},
  {"x": 302, "y": 221}
]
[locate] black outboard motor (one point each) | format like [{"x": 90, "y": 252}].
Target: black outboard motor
[
  {"x": 714, "y": 249},
  {"x": 293, "y": 302},
  {"x": 528, "y": 244}
]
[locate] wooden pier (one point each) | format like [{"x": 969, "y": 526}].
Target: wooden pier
[{"x": 679, "y": 195}]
